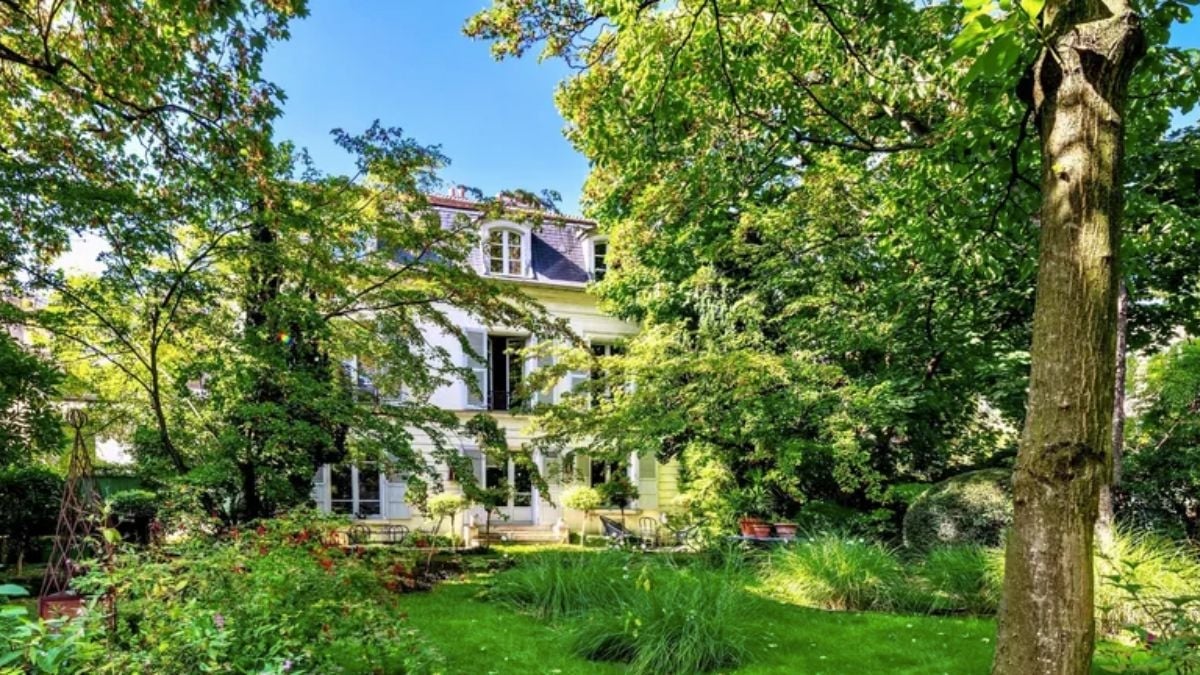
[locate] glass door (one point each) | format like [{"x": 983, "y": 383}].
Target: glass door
[{"x": 521, "y": 497}]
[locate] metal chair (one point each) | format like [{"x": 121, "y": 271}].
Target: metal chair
[
  {"x": 359, "y": 535},
  {"x": 648, "y": 531},
  {"x": 395, "y": 534},
  {"x": 688, "y": 536},
  {"x": 617, "y": 534}
]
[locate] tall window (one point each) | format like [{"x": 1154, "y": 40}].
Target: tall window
[
  {"x": 507, "y": 368},
  {"x": 356, "y": 490},
  {"x": 506, "y": 252},
  {"x": 602, "y": 351},
  {"x": 599, "y": 259}
]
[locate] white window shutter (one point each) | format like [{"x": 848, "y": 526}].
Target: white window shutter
[
  {"x": 478, "y": 342},
  {"x": 576, "y": 379},
  {"x": 546, "y": 395},
  {"x": 527, "y": 252}
]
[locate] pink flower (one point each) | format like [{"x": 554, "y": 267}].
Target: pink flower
[{"x": 219, "y": 621}]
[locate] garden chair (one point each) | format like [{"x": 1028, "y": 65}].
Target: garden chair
[
  {"x": 359, "y": 535},
  {"x": 395, "y": 534},
  {"x": 648, "y": 531},
  {"x": 616, "y": 533},
  {"x": 687, "y": 536}
]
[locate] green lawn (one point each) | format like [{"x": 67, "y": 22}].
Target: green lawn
[
  {"x": 477, "y": 636},
  {"x": 481, "y": 637}
]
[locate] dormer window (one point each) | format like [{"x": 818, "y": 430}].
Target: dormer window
[
  {"x": 599, "y": 259},
  {"x": 507, "y": 252}
]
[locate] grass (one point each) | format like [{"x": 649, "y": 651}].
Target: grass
[
  {"x": 480, "y": 636},
  {"x": 834, "y": 572},
  {"x": 477, "y": 636}
]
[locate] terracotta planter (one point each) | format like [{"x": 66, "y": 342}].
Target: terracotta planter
[
  {"x": 747, "y": 525},
  {"x": 762, "y": 530},
  {"x": 785, "y": 530}
]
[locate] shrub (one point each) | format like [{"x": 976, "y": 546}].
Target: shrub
[
  {"x": 653, "y": 615},
  {"x": 834, "y": 572},
  {"x": 971, "y": 508},
  {"x": 581, "y": 498},
  {"x": 134, "y": 503},
  {"x": 30, "y": 497},
  {"x": 674, "y": 621},
  {"x": 259, "y": 601},
  {"x": 1168, "y": 625},
  {"x": 619, "y": 491},
  {"x": 1158, "y": 567},
  {"x": 584, "y": 499},
  {"x": 556, "y": 585},
  {"x": 956, "y": 579}
]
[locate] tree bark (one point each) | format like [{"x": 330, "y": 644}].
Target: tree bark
[
  {"x": 1106, "y": 522},
  {"x": 1046, "y": 623}
]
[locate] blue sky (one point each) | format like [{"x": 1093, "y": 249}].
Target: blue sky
[{"x": 408, "y": 64}]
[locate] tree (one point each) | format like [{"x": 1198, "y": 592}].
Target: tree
[
  {"x": 120, "y": 120},
  {"x": 1163, "y": 466},
  {"x": 29, "y": 422},
  {"x": 585, "y": 500},
  {"x": 322, "y": 354},
  {"x": 704, "y": 116}
]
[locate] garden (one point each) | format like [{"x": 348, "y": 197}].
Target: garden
[
  {"x": 881, "y": 322},
  {"x": 292, "y": 595}
]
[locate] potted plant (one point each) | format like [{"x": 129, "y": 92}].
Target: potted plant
[
  {"x": 492, "y": 499},
  {"x": 618, "y": 491},
  {"x": 751, "y": 502},
  {"x": 785, "y": 529},
  {"x": 585, "y": 499}
]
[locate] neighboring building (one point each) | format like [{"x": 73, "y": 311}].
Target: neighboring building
[{"x": 554, "y": 263}]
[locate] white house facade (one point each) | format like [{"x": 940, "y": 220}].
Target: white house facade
[{"x": 554, "y": 263}]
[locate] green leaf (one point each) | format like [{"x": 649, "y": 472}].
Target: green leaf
[
  {"x": 13, "y": 591},
  {"x": 1033, "y": 7},
  {"x": 999, "y": 57}
]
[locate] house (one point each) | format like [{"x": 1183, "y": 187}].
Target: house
[{"x": 554, "y": 262}]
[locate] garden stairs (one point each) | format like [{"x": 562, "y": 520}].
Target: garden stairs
[{"x": 524, "y": 534}]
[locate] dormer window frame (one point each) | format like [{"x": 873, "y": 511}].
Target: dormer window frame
[
  {"x": 508, "y": 230},
  {"x": 593, "y": 272}
]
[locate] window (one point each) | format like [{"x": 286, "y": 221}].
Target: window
[
  {"x": 356, "y": 491},
  {"x": 602, "y": 351},
  {"x": 602, "y": 472},
  {"x": 506, "y": 368},
  {"x": 506, "y": 252},
  {"x": 497, "y": 368},
  {"x": 599, "y": 259}
]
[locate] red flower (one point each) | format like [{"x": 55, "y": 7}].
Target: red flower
[
  {"x": 327, "y": 564},
  {"x": 261, "y": 530}
]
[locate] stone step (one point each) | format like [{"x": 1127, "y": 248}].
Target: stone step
[{"x": 521, "y": 534}]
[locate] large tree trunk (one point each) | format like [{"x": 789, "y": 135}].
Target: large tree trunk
[
  {"x": 1106, "y": 521},
  {"x": 1046, "y": 622}
]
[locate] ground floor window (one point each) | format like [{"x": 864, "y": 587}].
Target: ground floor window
[{"x": 356, "y": 490}]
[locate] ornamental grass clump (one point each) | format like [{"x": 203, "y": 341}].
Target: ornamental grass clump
[
  {"x": 676, "y": 620},
  {"x": 555, "y": 585},
  {"x": 830, "y": 571},
  {"x": 651, "y": 614},
  {"x": 1157, "y": 569},
  {"x": 953, "y": 579}
]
